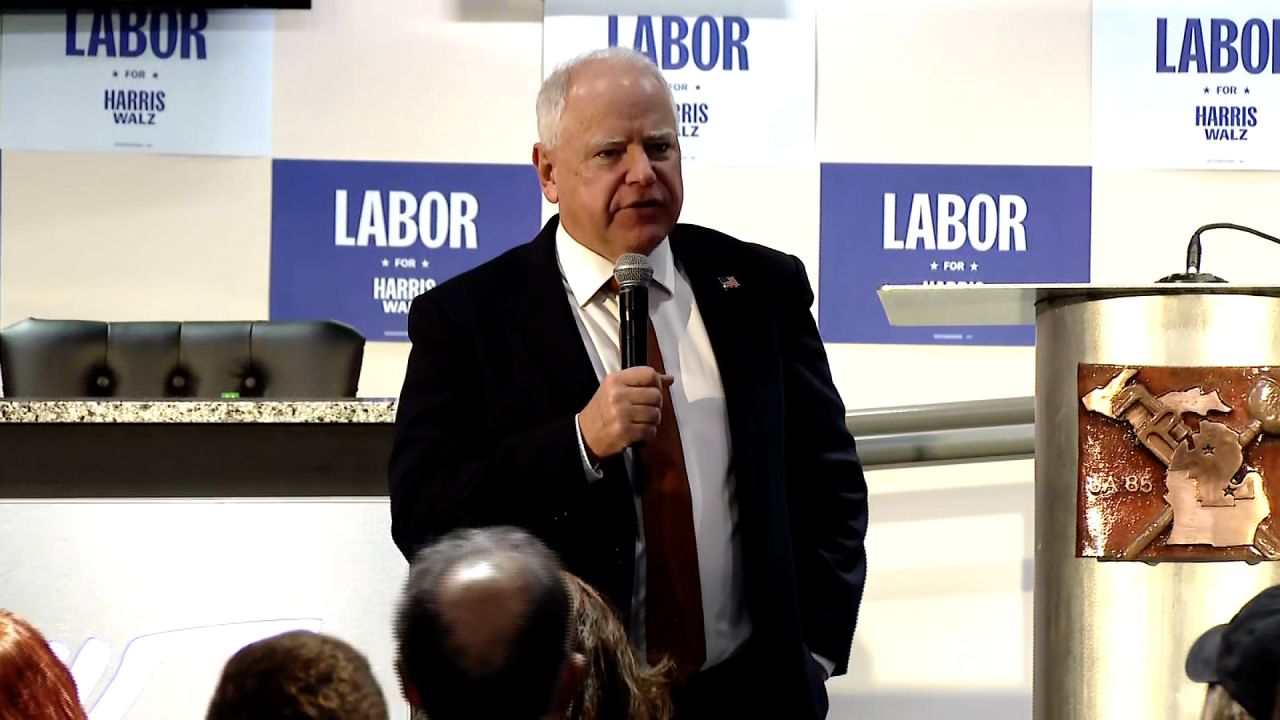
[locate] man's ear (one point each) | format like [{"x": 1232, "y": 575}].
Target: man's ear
[
  {"x": 407, "y": 689},
  {"x": 545, "y": 166},
  {"x": 570, "y": 683}
]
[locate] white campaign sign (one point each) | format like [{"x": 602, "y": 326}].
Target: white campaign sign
[
  {"x": 743, "y": 85},
  {"x": 1186, "y": 84},
  {"x": 161, "y": 81}
]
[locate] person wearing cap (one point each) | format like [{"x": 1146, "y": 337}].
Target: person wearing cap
[
  {"x": 714, "y": 496},
  {"x": 1240, "y": 661}
]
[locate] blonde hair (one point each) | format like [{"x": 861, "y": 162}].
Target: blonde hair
[
  {"x": 1218, "y": 705},
  {"x": 616, "y": 686}
]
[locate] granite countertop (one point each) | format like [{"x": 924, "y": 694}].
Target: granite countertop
[{"x": 360, "y": 411}]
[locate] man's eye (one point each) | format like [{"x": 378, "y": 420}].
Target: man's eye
[
  {"x": 611, "y": 153},
  {"x": 659, "y": 148}
]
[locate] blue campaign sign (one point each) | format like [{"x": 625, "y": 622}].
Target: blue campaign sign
[
  {"x": 358, "y": 241},
  {"x": 944, "y": 224}
]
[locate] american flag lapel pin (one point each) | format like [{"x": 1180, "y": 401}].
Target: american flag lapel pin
[{"x": 729, "y": 282}]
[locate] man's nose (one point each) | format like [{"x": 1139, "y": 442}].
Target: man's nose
[{"x": 639, "y": 168}]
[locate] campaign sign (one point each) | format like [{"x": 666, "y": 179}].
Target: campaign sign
[
  {"x": 358, "y": 241},
  {"x": 944, "y": 225},
  {"x": 164, "y": 81},
  {"x": 743, "y": 85},
  {"x": 1186, "y": 84}
]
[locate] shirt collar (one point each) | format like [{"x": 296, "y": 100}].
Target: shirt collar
[{"x": 586, "y": 272}]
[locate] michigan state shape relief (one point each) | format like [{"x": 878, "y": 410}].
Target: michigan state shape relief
[{"x": 1178, "y": 463}]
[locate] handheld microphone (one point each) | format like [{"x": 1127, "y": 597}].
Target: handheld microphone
[
  {"x": 1193, "y": 274},
  {"x": 633, "y": 272}
]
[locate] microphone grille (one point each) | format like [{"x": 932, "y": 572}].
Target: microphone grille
[{"x": 633, "y": 269}]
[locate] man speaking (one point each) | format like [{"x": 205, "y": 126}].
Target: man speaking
[{"x": 712, "y": 492}]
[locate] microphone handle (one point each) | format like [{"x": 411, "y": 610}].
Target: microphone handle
[{"x": 633, "y": 328}]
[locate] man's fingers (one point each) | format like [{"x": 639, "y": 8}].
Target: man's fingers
[
  {"x": 645, "y": 415},
  {"x": 640, "y": 376},
  {"x": 647, "y": 396},
  {"x": 625, "y": 410}
]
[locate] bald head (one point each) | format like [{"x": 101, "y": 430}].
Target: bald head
[
  {"x": 483, "y": 627},
  {"x": 484, "y": 603}
]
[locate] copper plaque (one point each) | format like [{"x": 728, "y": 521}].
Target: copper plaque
[{"x": 1178, "y": 463}]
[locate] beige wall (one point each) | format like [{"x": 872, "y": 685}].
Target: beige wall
[{"x": 946, "y": 620}]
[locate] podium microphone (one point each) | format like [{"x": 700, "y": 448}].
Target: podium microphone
[
  {"x": 1193, "y": 274},
  {"x": 633, "y": 272}
]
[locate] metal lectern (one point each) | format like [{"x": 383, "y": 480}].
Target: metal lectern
[{"x": 1155, "y": 476}]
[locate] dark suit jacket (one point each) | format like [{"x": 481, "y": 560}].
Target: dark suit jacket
[{"x": 485, "y": 435}]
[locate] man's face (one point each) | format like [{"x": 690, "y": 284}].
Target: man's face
[{"x": 615, "y": 168}]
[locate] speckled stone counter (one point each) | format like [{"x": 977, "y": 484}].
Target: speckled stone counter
[
  {"x": 197, "y": 411},
  {"x": 87, "y": 449},
  {"x": 175, "y": 532}
]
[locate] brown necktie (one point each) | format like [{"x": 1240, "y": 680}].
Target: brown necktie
[{"x": 673, "y": 596}]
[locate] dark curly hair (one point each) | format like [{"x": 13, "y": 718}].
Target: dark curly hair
[
  {"x": 298, "y": 675},
  {"x": 34, "y": 684},
  {"x": 616, "y": 686}
]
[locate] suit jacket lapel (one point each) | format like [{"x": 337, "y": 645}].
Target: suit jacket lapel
[
  {"x": 553, "y": 340},
  {"x": 555, "y": 346},
  {"x": 739, "y": 332},
  {"x": 726, "y": 313}
]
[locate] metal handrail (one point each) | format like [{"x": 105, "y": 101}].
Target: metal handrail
[
  {"x": 1006, "y": 442},
  {"x": 941, "y": 416},
  {"x": 945, "y": 432}
]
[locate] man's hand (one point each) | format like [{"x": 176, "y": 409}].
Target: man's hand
[{"x": 625, "y": 410}]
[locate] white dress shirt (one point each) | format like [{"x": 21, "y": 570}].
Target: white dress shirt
[{"x": 698, "y": 399}]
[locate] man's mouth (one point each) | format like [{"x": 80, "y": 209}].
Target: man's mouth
[{"x": 643, "y": 204}]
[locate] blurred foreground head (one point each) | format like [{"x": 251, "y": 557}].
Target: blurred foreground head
[
  {"x": 298, "y": 675},
  {"x": 483, "y": 629},
  {"x": 34, "y": 684}
]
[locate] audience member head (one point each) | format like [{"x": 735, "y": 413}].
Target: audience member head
[
  {"x": 616, "y": 687},
  {"x": 298, "y": 675},
  {"x": 1218, "y": 705},
  {"x": 1242, "y": 658},
  {"x": 34, "y": 684},
  {"x": 608, "y": 151},
  {"x": 483, "y": 629}
]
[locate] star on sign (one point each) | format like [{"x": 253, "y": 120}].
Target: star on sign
[
  {"x": 933, "y": 265},
  {"x": 1246, "y": 91},
  {"x": 973, "y": 266},
  {"x": 385, "y": 262},
  {"x": 1206, "y": 91}
]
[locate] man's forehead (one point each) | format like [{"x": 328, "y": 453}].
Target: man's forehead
[
  {"x": 606, "y": 72},
  {"x": 612, "y": 83},
  {"x": 620, "y": 113},
  {"x": 658, "y": 135}
]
